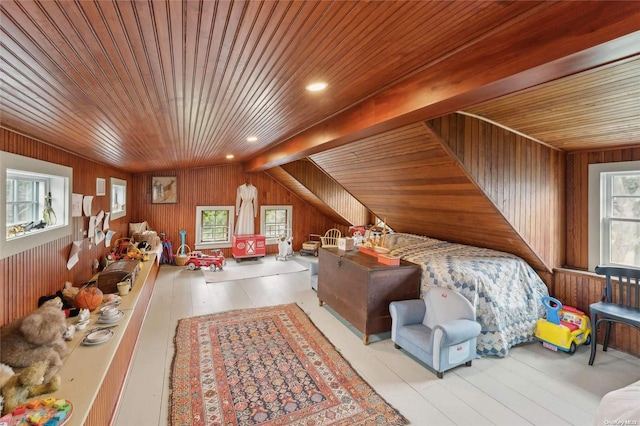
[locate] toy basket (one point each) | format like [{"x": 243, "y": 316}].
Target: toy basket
[
  {"x": 311, "y": 245},
  {"x": 182, "y": 255},
  {"x": 120, "y": 248}
]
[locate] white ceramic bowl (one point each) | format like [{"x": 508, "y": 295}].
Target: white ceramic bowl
[
  {"x": 81, "y": 325},
  {"x": 109, "y": 311}
]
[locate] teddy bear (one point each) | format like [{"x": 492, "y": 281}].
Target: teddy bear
[
  {"x": 36, "y": 337},
  {"x": 6, "y": 373},
  {"x": 27, "y": 384}
]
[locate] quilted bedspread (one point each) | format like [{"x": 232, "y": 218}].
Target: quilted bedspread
[{"x": 509, "y": 291}]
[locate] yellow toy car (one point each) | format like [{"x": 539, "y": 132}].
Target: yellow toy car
[{"x": 564, "y": 328}]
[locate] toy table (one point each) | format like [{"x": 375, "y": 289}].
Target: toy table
[{"x": 248, "y": 246}]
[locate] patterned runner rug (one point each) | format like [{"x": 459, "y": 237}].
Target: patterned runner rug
[{"x": 267, "y": 366}]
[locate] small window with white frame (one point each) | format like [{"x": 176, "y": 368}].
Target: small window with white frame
[
  {"x": 276, "y": 221},
  {"x": 118, "y": 198},
  {"x": 37, "y": 198},
  {"x": 621, "y": 218},
  {"x": 615, "y": 222},
  {"x": 214, "y": 226}
]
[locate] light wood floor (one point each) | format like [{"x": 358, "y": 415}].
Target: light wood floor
[{"x": 531, "y": 386}]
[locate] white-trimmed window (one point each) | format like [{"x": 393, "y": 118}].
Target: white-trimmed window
[
  {"x": 214, "y": 226},
  {"x": 615, "y": 220},
  {"x": 275, "y": 221},
  {"x": 25, "y": 199},
  {"x": 37, "y": 199},
  {"x": 118, "y": 198}
]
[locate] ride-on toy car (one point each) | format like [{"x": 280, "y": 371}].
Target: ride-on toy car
[
  {"x": 198, "y": 260},
  {"x": 564, "y": 328}
]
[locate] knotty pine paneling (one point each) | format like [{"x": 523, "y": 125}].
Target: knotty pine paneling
[
  {"x": 580, "y": 289},
  {"x": 522, "y": 178},
  {"x": 217, "y": 186},
  {"x": 43, "y": 270},
  {"x": 577, "y": 183}
]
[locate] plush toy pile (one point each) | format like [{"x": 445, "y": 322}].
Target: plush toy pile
[
  {"x": 36, "y": 337},
  {"x": 6, "y": 373},
  {"x": 27, "y": 384}
]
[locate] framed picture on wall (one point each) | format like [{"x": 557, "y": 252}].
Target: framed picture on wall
[
  {"x": 101, "y": 186},
  {"x": 164, "y": 189}
]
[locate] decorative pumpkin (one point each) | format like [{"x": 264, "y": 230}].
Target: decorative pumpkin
[{"x": 89, "y": 298}]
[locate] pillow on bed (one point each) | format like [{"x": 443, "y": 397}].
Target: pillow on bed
[{"x": 137, "y": 228}]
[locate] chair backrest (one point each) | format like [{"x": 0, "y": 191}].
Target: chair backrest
[
  {"x": 444, "y": 304},
  {"x": 628, "y": 291},
  {"x": 330, "y": 238}
]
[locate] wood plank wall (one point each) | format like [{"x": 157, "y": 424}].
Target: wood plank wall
[
  {"x": 522, "y": 178},
  {"x": 42, "y": 270},
  {"x": 329, "y": 191},
  {"x": 216, "y": 186},
  {"x": 293, "y": 185},
  {"x": 579, "y": 289},
  {"x": 577, "y": 198},
  {"x": 410, "y": 177},
  {"x": 574, "y": 286}
]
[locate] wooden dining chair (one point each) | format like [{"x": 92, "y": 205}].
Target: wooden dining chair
[
  {"x": 619, "y": 304},
  {"x": 330, "y": 238}
]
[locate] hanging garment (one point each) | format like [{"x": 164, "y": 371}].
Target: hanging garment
[{"x": 247, "y": 208}]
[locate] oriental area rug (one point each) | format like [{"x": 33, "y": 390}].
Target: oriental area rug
[{"x": 267, "y": 366}]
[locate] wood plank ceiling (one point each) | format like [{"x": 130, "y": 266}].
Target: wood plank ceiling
[
  {"x": 596, "y": 108},
  {"x": 159, "y": 85}
]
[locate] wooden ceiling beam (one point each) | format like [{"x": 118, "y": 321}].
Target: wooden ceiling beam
[{"x": 552, "y": 44}]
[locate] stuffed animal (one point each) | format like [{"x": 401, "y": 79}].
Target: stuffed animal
[
  {"x": 36, "y": 337},
  {"x": 6, "y": 373},
  {"x": 285, "y": 248},
  {"x": 27, "y": 384}
]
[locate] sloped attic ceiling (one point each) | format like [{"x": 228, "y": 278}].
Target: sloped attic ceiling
[{"x": 149, "y": 86}]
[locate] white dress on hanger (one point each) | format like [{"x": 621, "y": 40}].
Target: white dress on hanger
[{"x": 247, "y": 208}]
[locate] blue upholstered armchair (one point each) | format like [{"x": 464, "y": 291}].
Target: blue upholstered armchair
[{"x": 440, "y": 330}]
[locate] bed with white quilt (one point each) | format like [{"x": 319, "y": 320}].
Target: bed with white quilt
[{"x": 509, "y": 291}]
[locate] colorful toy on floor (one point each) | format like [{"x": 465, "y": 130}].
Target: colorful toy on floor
[
  {"x": 197, "y": 260},
  {"x": 285, "y": 248},
  {"x": 312, "y": 246},
  {"x": 564, "y": 328},
  {"x": 167, "y": 254}
]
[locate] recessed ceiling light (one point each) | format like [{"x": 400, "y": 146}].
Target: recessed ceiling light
[
  {"x": 316, "y": 87},
  {"x": 229, "y": 156},
  {"x": 252, "y": 139}
]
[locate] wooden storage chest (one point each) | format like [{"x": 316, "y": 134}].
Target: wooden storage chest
[
  {"x": 116, "y": 272},
  {"x": 360, "y": 288}
]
